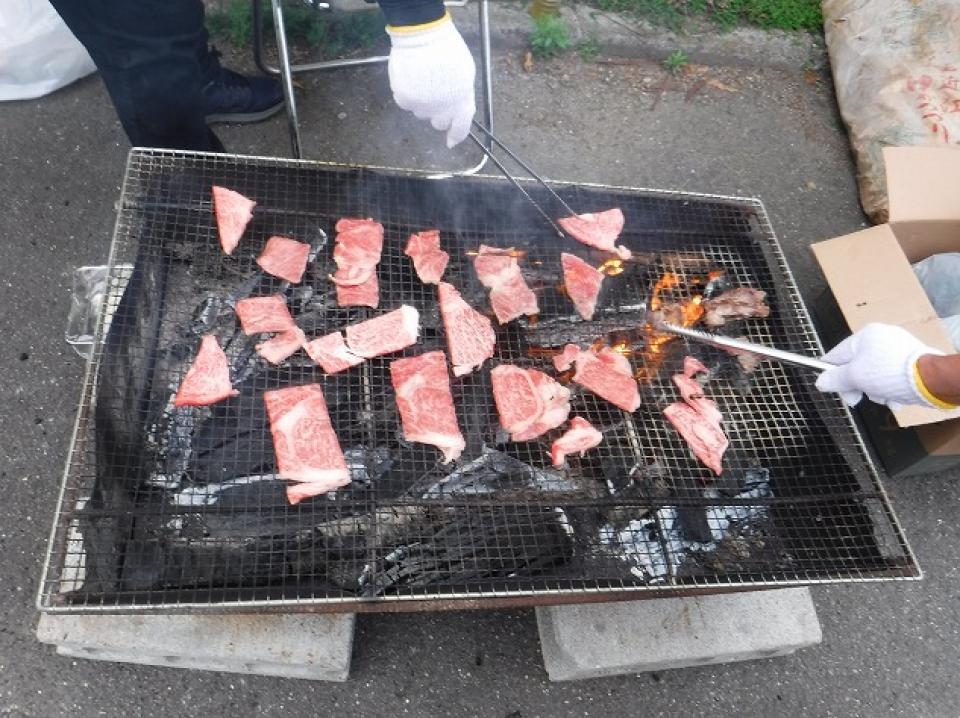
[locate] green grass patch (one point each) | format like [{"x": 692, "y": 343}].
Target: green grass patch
[
  {"x": 676, "y": 62},
  {"x": 768, "y": 14},
  {"x": 333, "y": 34},
  {"x": 549, "y": 37}
]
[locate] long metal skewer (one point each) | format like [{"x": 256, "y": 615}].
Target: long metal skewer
[
  {"x": 516, "y": 183},
  {"x": 725, "y": 342},
  {"x": 525, "y": 166}
]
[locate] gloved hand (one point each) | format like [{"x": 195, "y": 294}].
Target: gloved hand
[
  {"x": 431, "y": 74},
  {"x": 880, "y": 361}
]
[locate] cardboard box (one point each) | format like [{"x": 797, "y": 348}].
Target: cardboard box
[{"x": 871, "y": 279}]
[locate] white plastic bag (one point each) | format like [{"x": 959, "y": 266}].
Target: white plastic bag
[
  {"x": 939, "y": 275},
  {"x": 38, "y": 53}
]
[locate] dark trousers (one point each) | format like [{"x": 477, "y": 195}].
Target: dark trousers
[{"x": 150, "y": 54}]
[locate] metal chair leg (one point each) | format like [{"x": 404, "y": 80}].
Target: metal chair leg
[
  {"x": 286, "y": 70},
  {"x": 287, "y": 78}
]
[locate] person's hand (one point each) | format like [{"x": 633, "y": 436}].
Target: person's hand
[
  {"x": 432, "y": 74},
  {"x": 880, "y": 361}
]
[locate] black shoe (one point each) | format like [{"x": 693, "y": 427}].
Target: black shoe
[{"x": 231, "y": 97}]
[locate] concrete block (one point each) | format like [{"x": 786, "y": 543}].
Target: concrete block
[
  {"x": 594, "y": 640},
  {"x": 311, "y": 646}
]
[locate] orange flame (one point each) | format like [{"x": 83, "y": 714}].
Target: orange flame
[
  {"x": 691, "y": 311},
  {"x": 668, "y": 281},
  {"x": 494, "y": 252},
  {"x": 612, "y": 267}
]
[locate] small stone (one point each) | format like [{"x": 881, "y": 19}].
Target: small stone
[{"x": 341, "y": 115}]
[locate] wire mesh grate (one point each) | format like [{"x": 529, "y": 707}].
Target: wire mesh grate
[{"x": 181, "y": 509}]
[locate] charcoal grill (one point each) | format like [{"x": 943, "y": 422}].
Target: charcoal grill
[{"x": 181, "y": 510}]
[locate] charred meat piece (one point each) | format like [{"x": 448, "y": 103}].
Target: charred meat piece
[
  {"x": 580, "y": 437},
  {"x": 208, "y": 378},
  {"x": 359, "y": 244},
  {"x": 529, "y": 402},
  {"x": 233, "y": 212},
  {"x": 698, "y": 418},
  {"x": 264, "y": 314},
  {"x": 422, "y": 388},
  {"x": 429, "y": 260},
  {"x": 599, "y": 229},
  {"x": 739, "y": 303},
  {"x": 582, "y": 283},
  {"x": 305, "y": 443},
  {"x": 470, "y": 335},
  {"x": 606, "y": 373},
  {"x": 498, "y": 270},
  {"x": 284, "y": 258}
]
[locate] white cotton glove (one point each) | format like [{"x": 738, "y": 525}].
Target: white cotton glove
[
  {"x": 879, "y": 361},
  {"x": 432, "y": 74}
]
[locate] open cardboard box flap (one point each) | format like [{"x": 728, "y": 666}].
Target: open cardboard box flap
[{"x": 869, "y": 271}]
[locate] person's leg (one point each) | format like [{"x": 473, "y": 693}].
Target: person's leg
[{"x": 146, "y": 51}]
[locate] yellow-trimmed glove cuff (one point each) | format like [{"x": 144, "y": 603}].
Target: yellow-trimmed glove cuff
[
  {"x": 926, "y": 393},
  {"x": 410, "y": 29}
]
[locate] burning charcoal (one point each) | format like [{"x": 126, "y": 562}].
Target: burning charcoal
[
  {"x": 207, "y": 315},
  {"x": 496, "y": 472},
  {"x": 559, "y": 331},
  {"x": 693, "y": 523},
  {"x": 367, "y": 465}
]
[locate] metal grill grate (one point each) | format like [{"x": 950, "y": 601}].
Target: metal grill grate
[{"x": 181, "y": 509}]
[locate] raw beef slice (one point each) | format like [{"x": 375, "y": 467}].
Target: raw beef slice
[
  {"x": 264, "y": 314},
  {"x": 600, "y": 230},
  {"x": 580, "y": 437},
  {"x": 582, "y": 283},
  {"x": 498, "y": 270},
  {"x": 284, "y": 258},
  {"x": 422, "y": 388},
  {"x": 331, "y": 353},
  {"x": 529, "y": 402},
  {"x": 470, "y": 335},
  {"x": 233, "y": 212},
  {"x": 697, "y": 418},
  {"x": 282, "y": 345},
  {"x": 359, "y": 245},
  {"x": 606, "y": 373},
  {"x": 208, "y": 379},
  {"x": 385, "y": 334},
  {"x": 304, "y": 441},
  {"x": 429, "y": 260}
]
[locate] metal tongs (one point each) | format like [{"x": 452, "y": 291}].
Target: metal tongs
[
  {"x": 516, "y": 183},
  {"x": 723, "y": 342}
]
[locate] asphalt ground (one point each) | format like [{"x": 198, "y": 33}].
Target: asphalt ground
[{"x": 889, "y": 649}]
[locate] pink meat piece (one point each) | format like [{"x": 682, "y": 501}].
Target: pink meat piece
[
  {"x": 385, "y": 334},
  {"x": 284, "y": 258},
  {"x": 282, "y": 345},
  {"x": 565, "y": 359},
  {"x": 529, "y": 402},
  {"x": 705, "y": 438},
  {"x": 470, "y": 335},
  {"x": 423, "y": 395},
  {"x": 733, "y": 304},
  {"x": 305, "y": 443},
  {"x": 556, "y": 406},
  {"x": 498, "y": 270},
  {"x": 698, "y": 418},
  {"x": 599, "y": 229},
  {"x": 582, "y": 283},
  {"x": 366, "y": 294},
  {"x": 429, "y": 260},
  {"x": 208, "y": 379},
  {"x": 359, "y": 245},
  {"x": 233, "y": 212},
  {"x": 512, "y": 298},
  {"x": 264, "y": 314},
  {"x": 331, "y": 353},
  {"x": 580, "y": 437},
  {"x": 693, "y": 366},
  {"x": 606, "y": 373}
]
